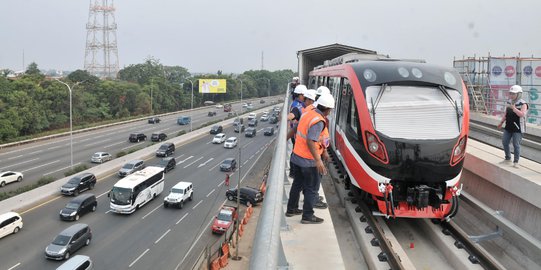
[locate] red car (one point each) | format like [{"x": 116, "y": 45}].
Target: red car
[{"x": 225, "y": 218}]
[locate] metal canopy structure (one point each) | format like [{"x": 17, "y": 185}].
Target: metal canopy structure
[{"x": 310, "y": 58}]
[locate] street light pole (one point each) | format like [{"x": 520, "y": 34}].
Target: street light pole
[
  {"x": 237, "y": 258},
  {"x": 241, "y": 105},
  {"x": 191, "y": 111},
  {"x": 71, "y": 120}
]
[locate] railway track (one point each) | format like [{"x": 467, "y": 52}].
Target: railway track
[{"x": 423, "y": 244}]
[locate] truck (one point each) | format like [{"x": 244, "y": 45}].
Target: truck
[{"x": 227, "y": 216}]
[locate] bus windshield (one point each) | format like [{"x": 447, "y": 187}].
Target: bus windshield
[{"x": 121, "y": 196}]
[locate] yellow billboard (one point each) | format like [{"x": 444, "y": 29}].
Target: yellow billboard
[{"x": 213, "y": 86}]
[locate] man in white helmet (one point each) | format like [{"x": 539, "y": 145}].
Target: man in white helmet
[
  {"x": 322, "y": 90},
  {"x": 312, "y": 138},
  {"x": 294, "y": 83},
  {"x": 515, "y": 124}
]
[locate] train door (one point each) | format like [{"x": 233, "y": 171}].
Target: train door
[{"x": 333, "y": 83}]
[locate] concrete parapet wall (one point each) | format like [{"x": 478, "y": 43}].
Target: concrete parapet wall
[
  {"x": 495, "y": 120},
  {"x": 516, "y": 192}
]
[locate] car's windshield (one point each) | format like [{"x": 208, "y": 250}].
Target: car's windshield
[
  {"x": 230, "y": 141},
  {"x": 72, "y": 205},
  {"x": 61, "y": 240},
  {"x": 128, "y": 166},
  {"x": 225, "y": 216},
  {"x": 74, "y": 181},
  {"x": 163, "y": 162},
  {"x": 163, "y": 147},
  {"x": 177, "y": 190},
  {"x": 121, "y": 196}
]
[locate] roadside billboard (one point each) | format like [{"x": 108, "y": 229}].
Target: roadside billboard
[{"x": 213, "y": 86}]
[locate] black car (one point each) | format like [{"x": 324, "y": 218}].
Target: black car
[
  {"x": 250, "y": 132},
  {"x": 79, "y": 206},
  {"x": 165, "y": 150},
  {"x": 248, "y": 195},
  {"x": 239, "y": 128},
  {"x": 228, "y": 164},
  {"x": 137, "y": 137},
  {"x": 262, "y": 101},
  {"x": 273, "y": 119},
  {"x": 211, "y": 113},
  {"x": 167, "y": 164},
  {"x": 268, "y": 131},
  {"x": 158, "y": 137},
  {"x": 154, "y": 120},
  {"x": 216, "y": 129},
  {"x": 78, "y": 184}
]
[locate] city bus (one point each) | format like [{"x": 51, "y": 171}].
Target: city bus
[{"x": 132, "y": 192}]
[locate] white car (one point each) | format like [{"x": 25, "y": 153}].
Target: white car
[
  {"x": 101, "y": 157},
  {"x": 7, "y": 177},
  {"x": 180, "y": 193},
  {"x": 219, "y": 106},
  {"x": 10, "y": 222},
  {"x": 219, "y": 138},
  {"x": 251, "y": 116},
  {"x": 231, "y": 142}
]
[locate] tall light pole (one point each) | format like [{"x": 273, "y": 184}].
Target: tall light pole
[
  {"x": 151, "y": 86},
  {"x": 241, "y": 105},
  {"x": 237, "y": 258},
  {"x": 71, "y": 120},
  {"x": 191, "y": 111}
]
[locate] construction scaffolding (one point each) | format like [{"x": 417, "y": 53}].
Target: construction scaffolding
[
  {"x": 488, "y": 80},
  {"x": 101, "y": 55}
]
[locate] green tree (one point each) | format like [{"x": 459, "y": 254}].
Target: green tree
[{"x": 32, "y": 69}]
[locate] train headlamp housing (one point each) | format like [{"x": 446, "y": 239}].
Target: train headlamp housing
[
  {"x": 459, "y": 151},
  {"x": 376, "y": 148}
]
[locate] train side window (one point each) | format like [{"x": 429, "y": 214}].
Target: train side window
[
  {"x": 345, "y": 97},
  {"x": 353, "y": 117}
]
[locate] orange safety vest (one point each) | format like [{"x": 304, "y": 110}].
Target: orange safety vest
[{"x": 308, "y": 119}]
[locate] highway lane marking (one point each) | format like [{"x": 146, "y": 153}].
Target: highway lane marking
[
  {"x": 221, "y": 183},
  {"x": 245, "y": 162},
  {"x": 182, "y": 161},
  {"x": 201, "y": 201},
  {"x": 102, "y": 194},
  {"x": 185, "y": 215},
  {"x": 98, "y": 142},
  {"x": 209, "y": 142},
  {"x": 179, "y": 156},
  {"x": 151, "y": 211},
  {"x": 40, "y": 205},
  {"x": 13, "y": 267},
  {"x": 25, "y": 162},
  {"x": 211, "y": 192},
  {"x": 35, "y": 152},
  {"x": 107, "y": 146},
  {"x": 61, "y": 169},
  {"x": 42, "y": 165},
  {"x": 244, "y": 146},
  {"x": 216, "y": 165},
  {"x": 205, "y": 163},
  {"x": 193, "y": 162},
  {"x": 163, "y": 235},
  {"x": 253, "y": 164},
  {"x": 252, "y": 156},
  {"x": 138, "y": 258},
  {"x": 15, "y": 157},
  {"x": 193, "y": 245}
]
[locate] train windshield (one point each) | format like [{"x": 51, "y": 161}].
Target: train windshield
[{"x": 415, "y": 112}]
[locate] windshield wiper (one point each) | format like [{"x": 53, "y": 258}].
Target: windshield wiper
[
  {"x": 453, "y": 103},
  {"x": 378, "y": 99}
]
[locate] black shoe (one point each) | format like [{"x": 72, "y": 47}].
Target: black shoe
[
  {"x": 312, "y": 220},
  {"x": 321, "y": 198},
  {"x": 320, "y": 205},
  {"x": 293, "y": 212}
]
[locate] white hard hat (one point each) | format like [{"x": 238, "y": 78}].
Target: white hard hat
[
  {"x": 311, "y": 94},
  {"x": 295, "y": 78},
  {"x": 300, "y": 89},
  {"x": 326, "y": 101},
  {"x": 515, "y": 89},
  {"x": 323, "y": 90}
]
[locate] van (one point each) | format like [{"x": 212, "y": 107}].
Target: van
[
  {"x": 165, "y": 150},
  {"x": 180, "y": 193},
  {"x": 10, "y": 222},
  {"x": 68, "y": 241},
  {"x": 79, "y": 206},
  {"x": 77, "y": 262},
  {"x": 184, "y": 120},
  {"x": 78, "y": 184}
]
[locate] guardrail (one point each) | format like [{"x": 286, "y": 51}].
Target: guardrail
[{"x": 267, "y": 251}]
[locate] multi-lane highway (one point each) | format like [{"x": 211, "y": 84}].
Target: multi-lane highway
[
  {"x": 153, "y": 237},
  {"x": 52, "y": 157}
]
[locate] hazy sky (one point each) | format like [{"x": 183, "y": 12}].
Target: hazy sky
[{"x": 206, "y": 35}]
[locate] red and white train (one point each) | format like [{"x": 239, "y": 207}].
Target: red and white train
[{"x": 400, "y": 129}]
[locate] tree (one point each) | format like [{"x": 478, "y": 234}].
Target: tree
[
  {"x": 83, "y": 76},
  {"x": 32, "y": 69}
]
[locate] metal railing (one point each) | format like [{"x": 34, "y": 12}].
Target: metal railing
[{"x": 267, "y": 251}]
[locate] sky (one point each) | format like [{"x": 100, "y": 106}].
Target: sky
[{"x": 209, "y": 35}]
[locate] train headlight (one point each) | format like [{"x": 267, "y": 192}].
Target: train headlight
[
  {"x": 376, "y": 148},
  {"x": 459, "y": 151},
  {"x": 373, "y": 147}
]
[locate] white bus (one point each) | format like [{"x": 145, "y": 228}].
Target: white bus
[{"x": 132, "y": 192}]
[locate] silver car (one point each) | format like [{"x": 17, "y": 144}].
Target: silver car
[
  {"x": 131, "y": 167},
  {"x": 101, "y": 157}
]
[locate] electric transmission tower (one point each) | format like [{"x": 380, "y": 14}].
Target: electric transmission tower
[{"x": 101, "y": 55}]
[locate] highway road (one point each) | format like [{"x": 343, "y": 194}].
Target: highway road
[
  {"x": 52, "y": 157},
  {"x": 153, "y": 237}
]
